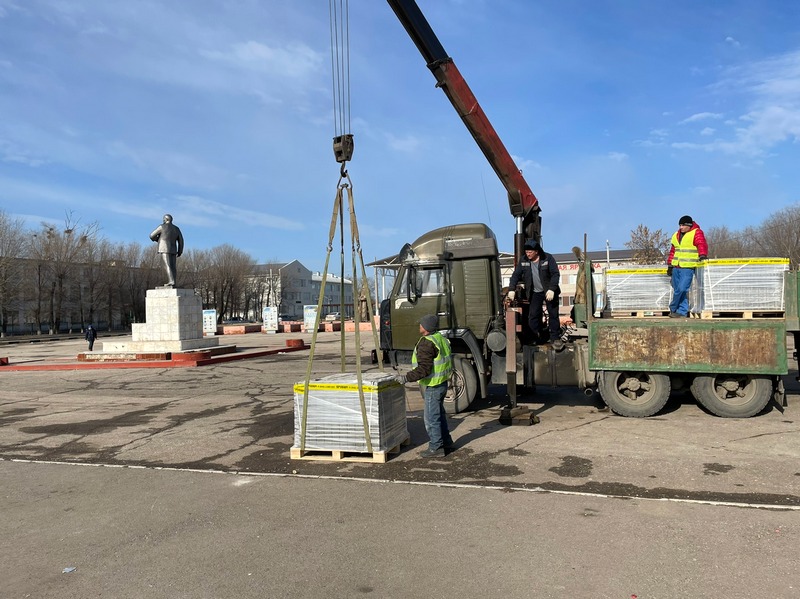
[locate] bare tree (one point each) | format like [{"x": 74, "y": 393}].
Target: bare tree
[
  {"x": 722, "y": 243},
  {"x": 96, "y": 280},
  {"x": 228, "y": 274},
  {"x": 146, "y": 274},
  {"x": 649, "y": 247},
  {"x": 12, "y": 232},
  {"x": 264, "y": 287},
  {"x": 195, "y": 269},
  {"x": 779, "y": 235},
  {"x": 63, "y": 249}
]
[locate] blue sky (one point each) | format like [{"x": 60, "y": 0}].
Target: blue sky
[{"x": 220, "y": 112}]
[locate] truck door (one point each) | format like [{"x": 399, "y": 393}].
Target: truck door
[{"x": 421, "y": 290}]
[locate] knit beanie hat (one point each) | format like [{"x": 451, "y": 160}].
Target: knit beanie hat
[
  {"x": 429, "y": 322},
  {"x": 686, "y": 220}
]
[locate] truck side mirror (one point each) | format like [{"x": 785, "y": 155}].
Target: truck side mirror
[{"x": 412, "y": 290}]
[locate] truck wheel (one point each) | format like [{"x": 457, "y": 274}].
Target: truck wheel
[
  {"x": 732, "y": 395},
  {"x": 634, "y": 394},
  {"x": 462, "y": 388}
]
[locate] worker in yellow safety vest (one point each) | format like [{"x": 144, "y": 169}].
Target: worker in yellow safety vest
[
  {"x": 689, "y": 249},
  {"x": 433, "y": 364}
]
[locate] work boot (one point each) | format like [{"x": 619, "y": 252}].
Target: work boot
[
  {"x": 433, "y": 453},
  {"x": 674, "y": 315}
]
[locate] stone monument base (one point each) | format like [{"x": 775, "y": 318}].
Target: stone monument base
[{"x": 174, "y": 323}]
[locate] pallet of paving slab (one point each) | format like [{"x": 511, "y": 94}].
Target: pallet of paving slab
[{"x": 340, "y": 455}]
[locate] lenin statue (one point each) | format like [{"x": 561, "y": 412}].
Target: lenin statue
[{"x": 170, "y": 246}]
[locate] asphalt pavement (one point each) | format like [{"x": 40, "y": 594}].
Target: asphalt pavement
[{"x": 168, "y": 482}]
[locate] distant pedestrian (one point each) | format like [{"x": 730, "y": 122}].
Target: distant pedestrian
[
  {"x": 90, "y": 336},
  {"x": 689, "y": 249}
]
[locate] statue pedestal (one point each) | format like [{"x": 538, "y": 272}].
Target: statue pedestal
[{"x": 174, "y": 323}]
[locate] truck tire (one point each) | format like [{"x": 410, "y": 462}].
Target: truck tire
[
  {"x": 463, "y": 386},
  {"x": 634, "y": 394},
  {"x": 733, "y": 395}
]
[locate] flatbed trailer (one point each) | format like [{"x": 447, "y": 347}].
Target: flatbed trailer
[{"x": 732, "y": 366}]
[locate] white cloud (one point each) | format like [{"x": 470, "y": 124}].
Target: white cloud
[
  {"x": 12, "y": 152},
  {"x": 657, "y": 138},
  {"x": 771, "y": 91},
  {"x": 646, "y": 143},
  {"x": 408, "y": 143},
  {"x": 706, "y": 131},
  {"x": 296, "y": 61},
  {"x": 205, "y": 212},
  {"x": 34, "y": 221},
  {"x": 368, "y": 230},
  {"x": 732, "y": 41},
  {"x": 174, "y": 167},
  {"x": 701, "y": 116},
  {"x": 6, "y": 6},
  {"x": 526, "y": 165},
  {"x": 618, "y": 156}
]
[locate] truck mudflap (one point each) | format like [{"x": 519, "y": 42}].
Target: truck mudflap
[{"x": 689, "y": 345}]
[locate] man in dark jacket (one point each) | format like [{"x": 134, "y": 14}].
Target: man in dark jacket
[
  {"x": 433, "y": 364},
  {"x": 90, "y": 336},
  {"x": 539, "y": 273}
]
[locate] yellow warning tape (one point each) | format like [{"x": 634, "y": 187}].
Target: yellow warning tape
[
  {"x": 300, "y": 387},
  {"x": 745, "y": 261},
  {"x": 714, "y": 262},
  {"x": 638, "y": 271}
]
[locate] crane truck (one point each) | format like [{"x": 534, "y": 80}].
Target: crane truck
[{"x": 732, "y": 366}]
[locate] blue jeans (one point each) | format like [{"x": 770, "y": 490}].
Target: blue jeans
[
  {"x": 681, "y": 281},
  {"x": 435, "y": 417}
]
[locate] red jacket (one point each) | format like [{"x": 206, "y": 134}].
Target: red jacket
[{"x": 699, "y": 242}]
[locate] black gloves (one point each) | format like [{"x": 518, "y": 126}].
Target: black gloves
[
  {"x": 703, "y": 257},
  {"x": 669, "y": 270}
]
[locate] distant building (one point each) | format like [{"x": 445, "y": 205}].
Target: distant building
[{"x": 290, "y": 285}]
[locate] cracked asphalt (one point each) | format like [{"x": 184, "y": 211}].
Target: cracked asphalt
[{"x": 236, "y": 418}]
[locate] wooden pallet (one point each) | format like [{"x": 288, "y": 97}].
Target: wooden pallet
[
  {"x": 742, "y": 314},
  {"x": 338, "y": 455}
]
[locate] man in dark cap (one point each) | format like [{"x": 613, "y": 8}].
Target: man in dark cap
[
  {"x": 90, "y": 335},
  {"x": 539, "y": 273},
  {"x": 689, "y": 249},
  {"x": 433, "y": 364}
]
